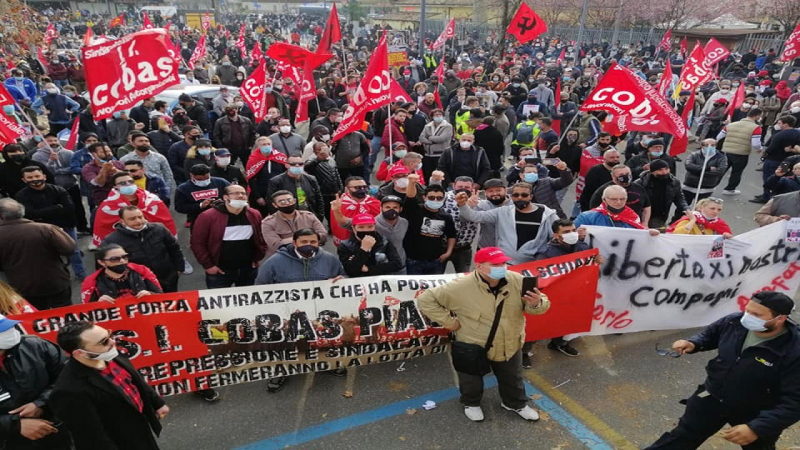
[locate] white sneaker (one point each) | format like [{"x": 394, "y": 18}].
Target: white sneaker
[
  {"x": 474, "y": 413},
  {"x": 526, "y": 413},
  {"x": 92, "y": 247},
  {"x": 187, "y": 268},
  {"x": 733, "y": 192}
]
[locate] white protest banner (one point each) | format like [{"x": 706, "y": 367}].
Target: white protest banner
[{"x": 668, "y": 281}]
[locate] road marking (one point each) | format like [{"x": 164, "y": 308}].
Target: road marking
[
  {"x": 575, "y": 412},
  {"x": 592, "y": 440}
]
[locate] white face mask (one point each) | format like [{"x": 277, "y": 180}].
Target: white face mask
[
  {"x": 325, "y": 137},
  {"x": 465, "y": 144},
  {"x": 402, "y": 183},
  {"x": 9, "y": 338},
  {"x": 105, "y": 356},
  {"x": 570, "y": 238},
  {"x": 285, "y": 129},
  {"x": 223, "y": 162},
  {"x": 238, "y": 204}
]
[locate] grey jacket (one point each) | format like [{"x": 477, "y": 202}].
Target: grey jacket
[
  {"x": 779, "y": 205},
  {"x": 292, "y": 145},
  {"x": 436, "y": 140},
  {"x": 60, "y": 167},
  {"x": 393, "y": 233},
  {"x": 505, "y": 222}
]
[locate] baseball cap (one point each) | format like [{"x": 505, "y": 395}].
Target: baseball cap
[
  {"x": 491, "y": 255},
  {"x": 397, "y": 169},
  {"x": 782, "y": 304},
  {"x": 363, "y": 219},
  {"x": 532, "y": 93},
  {"x": 222, "y": 152},
  {"x": 658, "y": 165},
  {"x": 6, "y": 323},
  {"x": 494, "y": 182},
  {"x": 391, "y": 198},
  {"x": 202, "y": 143},
  {"x": 397, "y": 145}
]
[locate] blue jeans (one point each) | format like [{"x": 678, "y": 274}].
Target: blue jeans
[
  {"x": 239, "y": 277},
  {"x": 576, "y": 209},
  {"x": 375, "y": 148},
  {"x": 768, "y": 169},
  {"x": 76, "y": 260},
  {"x": 417, "y": 267}
]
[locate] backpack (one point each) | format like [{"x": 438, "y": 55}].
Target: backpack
[{"x": 525, "y": 132}]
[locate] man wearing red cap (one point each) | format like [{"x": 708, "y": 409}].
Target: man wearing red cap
[
  {"x": 398, "y": 183},
  {"x": 488, "y": 294},
  {"x": 366, "y": 252}
]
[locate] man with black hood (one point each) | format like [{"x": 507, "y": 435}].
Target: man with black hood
[
  {"x": 663, "y": 190},
  {"x": 15, "y": 160}
]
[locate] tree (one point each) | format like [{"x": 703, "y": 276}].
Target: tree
[{"x": 785, "y": 12}]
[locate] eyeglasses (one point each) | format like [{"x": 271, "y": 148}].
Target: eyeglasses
[
  {"x": 116, "y": 259},
  {"x": 125, "y": 183},
  {"x": 670, "y": 353},
  {"x": 716, "y": 200},
  {"x": 286, "y": 201},
  {"x": 520, "y": 195}
]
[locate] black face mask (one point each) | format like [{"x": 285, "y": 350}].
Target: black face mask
[
  {"x": 360, "y": 193},
  {"x": 143, "y": 148},
  {"x": 496, "y": 201},
  {"x": 120, "y": 269},
  {"x": 521, "y": 204},
  {"x": 307, "y": 251},
  {"x": 362, "y": 234},
  {"x": 662, "y": 177},
  {"x": 602, "y": 145},
  {"x": 614, "y": 210},
  {"x": 35, "y": 183},
  {"x": 390, "y": 214},
  {"x": 466, "y": 191},
  {"x": 18, "y": 158},
  {"x": 192, "y": 138},
  {"x": 288, "y": 209},
  {"x": 624, "y": 179}
]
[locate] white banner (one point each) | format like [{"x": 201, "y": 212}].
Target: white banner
[{"x": 674, "y": 281}]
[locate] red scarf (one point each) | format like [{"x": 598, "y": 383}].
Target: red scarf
[
  {"x": 627, "y": 215},
  {"x": 107, "y": 215},
  {"x": 257, "y": 161},
  {"x": 350, "y": 208},
  {"x": 718, "y": 226}
]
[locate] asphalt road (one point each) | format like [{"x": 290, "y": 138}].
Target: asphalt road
[{"x": 618, "y": 391}]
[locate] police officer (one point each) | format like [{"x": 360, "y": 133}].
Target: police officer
[{"x": 753, "y": 384}]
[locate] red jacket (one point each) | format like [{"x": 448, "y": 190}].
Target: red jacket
[
  {"x": 397, "y": 135},
  {"x": 209, "y": 229},
  {"x": 89, "y": 285}
]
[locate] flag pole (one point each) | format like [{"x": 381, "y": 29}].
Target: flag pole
[
  {"x": 700, "y": 183},
  {"x": 389, "y": 124},
  {"x": 568, "y": 127}
]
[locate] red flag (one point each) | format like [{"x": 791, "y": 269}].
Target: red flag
[
  {"x": 240, "y": 42},
  {"x": 666, "y": 79},
  {"x": 526, "y": 24},
  {"x": 373, "y": 92},
  {"x": 256, "y": 54},
  {"x": 684, "y": 46},
  {"x": 621, "y": 92},
  {"x": 73, "y": 134},
  {"x": 666, "y": 42},
  {"x": 5, "y": 96},
  {"x": 253, "y": 92},
  {"x": 696, "y": 71},
  {"x": 791, "y": 49},
  {"x": 166, "y": 27},
  {"x": 146, "y": 24},
  {"x": 679, "y": 144},
  {"x": 174, "y": 51},
  {"x": 332, "y": 32},
  {"x": 440, "y": 70},
  {"x": 199, "y": 52},
  {"x": 206, "y": 22},
  {"x": 10, "y": 130},
  {"x": 121, "y": 72},
  {"x": 227, "y": 33},
  {"x": 50, "y": 34},
  {"x": 715, "y": 52},
  {"x": 42, "y": 60},
  {"x": 449, "y": 32},
  {"x": 738, "y": 99},
  {"x": 307, "y": 93},
  {"x": 562, "y": 55},
  {"x": 557, "y": 122},
  {"x": 107, "y": 215},
  {"x": 117, "y": 21},
  {"x": 87, "y": 37},
  {"x": 398, "y": 93},
  {"x": 296, "y": 56}
]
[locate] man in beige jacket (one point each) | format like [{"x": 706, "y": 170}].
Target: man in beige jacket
[{"x": 467, "y": 306}]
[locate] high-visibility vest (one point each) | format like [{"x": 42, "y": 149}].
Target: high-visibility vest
[{"x": 461, "y": 124}]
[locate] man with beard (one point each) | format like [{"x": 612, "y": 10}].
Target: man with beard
[
  {"x": 642, "y": 162},
  {"x": 15, "y": 160}
]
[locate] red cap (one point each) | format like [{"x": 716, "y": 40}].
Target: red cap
[
  {"x": 763, "y": 73},
  {"x": 491, "y": 255},
  {"x": 363, "y": 219},
  {"x": 397, "y": 169},
  {"x": 407, "y": 72},
  {"x": 765, "y": 83}
]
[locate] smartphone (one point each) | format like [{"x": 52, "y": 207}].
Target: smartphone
[
  {"x": 529, "y": 284},
  {"x": 532, "y": 160},
  {"x": 550, "y": 161}
]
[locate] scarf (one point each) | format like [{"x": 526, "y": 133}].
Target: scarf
[
  {"x": 107, "y": 215},
  {"x": 257, "y": 160},
  {"x": 626, "y": 216},
  {"x": 717, "y": 225}
]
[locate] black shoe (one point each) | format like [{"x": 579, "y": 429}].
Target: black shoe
[
  {"x": 760, "y": 199},
  {"x": 526, "y": 361},
  {"x": 209, "y": 395},
  {"x": 677, "y": 158},
  {"x": 340, "y": 372},
  {"x": 275, "y": 384},
  {"x": 564, "y": 348}
]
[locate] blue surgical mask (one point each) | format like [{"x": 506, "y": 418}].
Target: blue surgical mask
[
  {"x": 656, "y": 154},
  {"x": 19, "y": 78},
  {"x": 128, "y": 190},
  {"x": 531, "y": 177},
  {"x": 497, "y": 273},
  {"x": 116, "y": 115},
  {"x": 646, "y": 142},
  {"x": 202, "y": 183},
  {"x": 419, "y": 167},
  {"x": 266, "y": 149},
  {"x": 753, "y": 323},
  {"x": 434, "y": 204},
  {"x": 8, "y": 109},
  {"x": 709, "y": 151},
  {"x": 400, "y": 153},
  {"x": 38, "y": 138},
  {"x": 204, "y": 151},
  {"x": 438, "y": 119},
  {"x": 295, "y": 170}
]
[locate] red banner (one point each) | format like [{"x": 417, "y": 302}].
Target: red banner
[
  {"x": 253, "y": 93},
  {"x": 398, "y": 93},
  {"x": 715, "y": 51},
  {"x": 373, "y": 92},
  {"x": 240, "y": 42},
  {"x": 666, "y": 79},
  {"x": 681, "y": 142},
  {"x": 526, "y": 24},
  {"x": 10, "y": 130},
  {"x": 791, "y": 48},
  {"x": 332, "y": 33},
  {"x": 119, "y": 73},
  {"x": 199, "y": 52},
  {"x": 73, "y": 134},
  {"x": 666, "y": 42},
  {"x": 5, "y": 96},
  {"x": 87, "y": 37},
  {"x": 449, "y": 32},
  {"x": 440, "y": 70},
  {"x": 146, "y": 24},
  {"x": 684, "y": 46},
  {"x": 50, "y": 34},
  {"x": 206, "y": 22},
  {"x": 696, "y": 71},
  {"x": 256, "y": 54},
  {"x": 307, "y": 93},
  {"x": 296, "y": 56},
  {"x": 738, "y": 99},
  {"x": 620, "y": 91}
]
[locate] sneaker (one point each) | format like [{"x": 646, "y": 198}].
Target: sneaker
[
  {"x": 92, "y": 247},
  {"x": 209, "y": 395},
  {"x": 275, "y": 384},
  {"x": 526, "y": 413},
  {"x": 759, "y": 199},
  {"x": 760, "y": 167},
  {"x": 474, "y": 413},
  {"x": 526, "y": 361},
  {"x": 187, "y": 268},
  {"x": 564, "y": 348},
  {"x": 733, "y": 192}
]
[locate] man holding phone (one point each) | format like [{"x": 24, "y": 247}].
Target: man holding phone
[
  {"x": 469, "y": 306},
  {"x": 198, "y": 194}
]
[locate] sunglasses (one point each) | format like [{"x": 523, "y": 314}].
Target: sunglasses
[
  {"x": 520, "y": 195},
  {"x": 436, "y": 199},
  {"x": 116, "y": 259},
  {"x": 716, "y": 200},
  {"x": 670, "y": 353},
  {"x": 296, "y": 164}
]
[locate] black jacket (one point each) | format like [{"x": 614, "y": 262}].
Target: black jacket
[
  {"x": 142, "y": 115},
  {"x": 330, "y": 182},
  {"x": 162, "y": 141},
  {"x": 11, "y": 176},
  {"x": 231, "y": 174},
  {"x": 51, "y": 205},
  {"x": 638, "y": 162},
  {"x": 380, "y": 260},
  {"x": 30, "y": 370},
  {"x": 199, "y": 114},
  {"x": 760, "y": 385},
  {"x": 595, "y": 177},
  {"x": 154, "y": 247},
  {"x": 308, "y": 183},
  {"x": 555, "y": 249},
  {"x": 189, "y": 196},
  {"x": 456, "y": 162},
  {"x": 99, "y": 415},
  {"x": 663, "y": 197}
]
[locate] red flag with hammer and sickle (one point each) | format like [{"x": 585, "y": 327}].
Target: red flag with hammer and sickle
[{"x": 526, "y": 24}]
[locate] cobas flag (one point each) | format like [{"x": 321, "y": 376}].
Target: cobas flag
[
  {"x": 526, "y": 24},
  {"x": 449, "y": 32},
  {"x": 296, "y": 56},
  {"x": 621, "y": 92},
  {"x": 332, "y": 32},
  {"x": 240, "y": 42},
  {"x": 146, "y": 24},
  {"x": 665, "y": 43},
  {"x": 121, "y": 72},
  {"x": 715, "y": 51},
  {"x": 253, "y": 92},
  {"x": 791, "y": 49},
  {"x": 50, "y": 34},
  {"x": 398, "y": 93},
  {"x": 10, "y": 130},
  {"x": 373, "y": 92},
  {"x": 696, "y": 71},
  {"x": 307, "y": 93},
  {"x": 199, "y": 52},
  {"x": 666, "y": 79}
]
